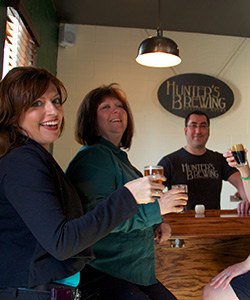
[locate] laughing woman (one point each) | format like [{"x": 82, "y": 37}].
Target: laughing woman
[
  {"x": 44, "y": 237},
  {"x": 124, "y": 264}
]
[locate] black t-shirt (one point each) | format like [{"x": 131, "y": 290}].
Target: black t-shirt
[{"x": 202, "y": 173}]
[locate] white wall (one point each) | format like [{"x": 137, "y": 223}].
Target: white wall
[{"x": 103, "y": 55}]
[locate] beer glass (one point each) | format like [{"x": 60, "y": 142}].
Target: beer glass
[
  {"x": 153, "y": 170},
  {"x": 181, "y": 185},
  {"x": 185, "y": 187},
  {"x": 239, "y": 154}
]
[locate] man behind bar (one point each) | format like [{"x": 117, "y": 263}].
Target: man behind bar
[{"x": 200, "y": 168}]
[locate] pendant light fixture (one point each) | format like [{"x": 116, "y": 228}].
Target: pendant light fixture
[{"x": 158, "y": 51}]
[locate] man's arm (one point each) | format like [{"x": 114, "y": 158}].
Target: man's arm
[{"x": 235, "y": 180}]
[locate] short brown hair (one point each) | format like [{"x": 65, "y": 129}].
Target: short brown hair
[
  {"x": 196, "y": 112},
  {"x": 86, "y": 120},
  {"x": 20, "y": 87}
]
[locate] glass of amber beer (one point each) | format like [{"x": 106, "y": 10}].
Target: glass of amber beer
[{"x": 153, "y": 170}]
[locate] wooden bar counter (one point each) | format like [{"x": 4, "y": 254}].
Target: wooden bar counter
[{"x": 200, "y": 247}]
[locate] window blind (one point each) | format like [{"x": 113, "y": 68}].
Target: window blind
[{"x": 19, "y": 48}]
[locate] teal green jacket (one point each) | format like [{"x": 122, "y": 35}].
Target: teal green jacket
[{"x": 128, "y": 251}]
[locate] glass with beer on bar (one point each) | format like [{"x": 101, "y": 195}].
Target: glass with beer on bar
[{"x": 239, "y": 154}]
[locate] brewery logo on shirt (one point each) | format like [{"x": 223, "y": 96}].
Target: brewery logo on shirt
[
  {"x": 200, "y": 171},
  {"x": 185, "y": 93}
]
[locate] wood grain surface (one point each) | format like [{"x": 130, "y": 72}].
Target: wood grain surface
[
  {"x": 207, "y": 245},
  {"x": 214, "y": 223}
]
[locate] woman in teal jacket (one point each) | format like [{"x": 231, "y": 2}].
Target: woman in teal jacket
[{"x": 124, "y": 264}]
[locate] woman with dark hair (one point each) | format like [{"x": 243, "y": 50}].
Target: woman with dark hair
[
  {"x": 44, "y": 237},
  {"x": 86, "y": 131},
  {"x": 124, "y": 263}
]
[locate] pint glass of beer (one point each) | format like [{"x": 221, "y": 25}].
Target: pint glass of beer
[
  {"x": 153, "y": 170},
  {"x": 239, "y": 154}
]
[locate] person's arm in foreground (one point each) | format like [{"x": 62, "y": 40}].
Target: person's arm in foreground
[
  {"x": 171, "y": 201},
  {"x": 223, "y": 278},
  {"x": 95, "y": 176},
  {"x": 236, "y": 181},
  {"x": 34, "y": 196}
]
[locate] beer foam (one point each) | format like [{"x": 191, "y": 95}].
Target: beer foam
[{"x": 238, "y": 147}]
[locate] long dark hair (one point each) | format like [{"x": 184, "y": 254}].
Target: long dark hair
[
  {"x": 86, "y": 120},
  {"x": 18, "y": 90}
]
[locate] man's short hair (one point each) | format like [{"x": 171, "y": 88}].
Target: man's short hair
[{"x": 196, "y": 112}]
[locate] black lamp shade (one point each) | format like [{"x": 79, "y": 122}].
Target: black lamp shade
[{"x": 158, "y": 51}]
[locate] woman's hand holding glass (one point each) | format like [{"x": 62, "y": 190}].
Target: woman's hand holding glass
[
  {"x": 144, "y": 189},
  {"x": 173, "y": 201},
  {"x": 243, "y": 206},
  {"x": 244, "y": 169},
  {"x": 232, "y": 162}
]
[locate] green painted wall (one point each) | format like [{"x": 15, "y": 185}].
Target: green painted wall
[{"x": 43, "y": 16}]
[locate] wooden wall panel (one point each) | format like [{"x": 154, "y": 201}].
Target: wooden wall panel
[{"x": 186, "y": 270}]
